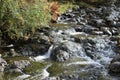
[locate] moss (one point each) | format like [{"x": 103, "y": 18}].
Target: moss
[
  {"x": 10, "y": 60},
  {"x": 84, "y": 4},
  {"x": 61, "y": 68},
  {"x": 11, "y": 75},
  {"x": 55, "y": 69},
  {"x": 35, "y": 68}
]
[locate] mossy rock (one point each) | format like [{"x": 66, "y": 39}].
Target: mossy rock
[
  {"x": 35, "y": 68},
  {"x": 55, "y": 69},
  {"x": 10, "y": 75},
  {"x": 10, "y": 60}
]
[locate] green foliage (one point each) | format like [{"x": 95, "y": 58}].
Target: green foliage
[
  {"x": 64, "y": 7},
  {"x": 19, "y": 18}
]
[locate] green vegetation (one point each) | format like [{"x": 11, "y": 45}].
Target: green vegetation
[
  {"x": 19, "y": 18},
  {"x": 64, "y": 7},
  {"x": 35, "y": 67},
  {"x": 55, "y": 69},
  {"x": 10, "y": 60}
]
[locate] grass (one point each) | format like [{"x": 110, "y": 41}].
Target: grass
[
  {"x": 19, "y": 18},
  {"x": 65, "y": 6}
]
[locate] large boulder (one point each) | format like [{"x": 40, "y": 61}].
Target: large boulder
[
  {"x": 39, "y": 44},
  {"x": 67, "y": 50}
]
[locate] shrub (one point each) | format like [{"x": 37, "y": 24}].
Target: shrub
[{"x": 21, "y": 17}]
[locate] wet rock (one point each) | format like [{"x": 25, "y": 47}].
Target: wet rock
[
  {"x": 97, "y": 22},
  {"x": 114, "y": 31},
  {"x": 3, "y": 64},
  {"x": 114, "y": 66},
  {"x": 89, "y": 29},
  {"x": 106, "y": 30},
  {"x": 78, "y": 28},
  {"x": 79, "y": 38},
  {"x": 69, "y": 31},
  {"x": 52, "y": 78},
  {"x": 67, "y": 50},
  {"x": 39, "y": 44},
  {"x": 117, "y": 3},
  {"x": 118, "y": 45},
  {"x": 17, "y": 66},
  {"x": 61, "y": 36},
  {"x": 97, "y": 32},
  {"x": 41, "y": 37},
  {"x": 118, "y": 24},
  {"x": 13, "y": 53},
  {"x": 59, "y": 55},
  {"x": 96, "y": 73},
  {"x": 21, "y": 64},
  {"x": 99, "y": 49}
]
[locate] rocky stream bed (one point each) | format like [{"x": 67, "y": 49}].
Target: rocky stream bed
[{"x": 84, "y": 44}]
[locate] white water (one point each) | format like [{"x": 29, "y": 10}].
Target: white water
[
  {"x": 21, "y": 77},
  {"x": 82, "y": 63},
  {"x": 88, "y": 62},
  {"x": 45, "y": 74},
  {"x": 77, "y": 33},
  {"x": 46, "y": 56}
]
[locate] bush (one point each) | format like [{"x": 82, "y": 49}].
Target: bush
[{"x": 21, "y": 17}]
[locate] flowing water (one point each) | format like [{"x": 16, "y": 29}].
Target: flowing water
[{"x": 46, "y": 56}]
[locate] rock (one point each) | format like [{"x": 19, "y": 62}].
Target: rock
[
  {"x": 78, "y": 28},
  {"x": 118, "y": 45},
  {"x": 52, "y": 78},
  {"x": 94, "y": 73},
  {"x": 117, "y": 3},
  {"x": 39, "y": 44},
  {"x": 13, "y": 53},
  {"x": 114, "y": 31},
  {"x": 97, "y": 32},
  {"x": 59, "y": 55},
  {"x": 17, "y": 66},
  {"x": 79, "y": 38},
  {"x": 67, "y": 50},
  {"x": 60, "y": 36},
  {"x": 21, "y": 64},
  {"x": 97, "y": 22},
  {"x": 118, "y": 24},
  {"x": 3, "y": 64},
  {"x": 114, "y": 66},
  {"x": 106, "y": 30},
  {"x": 99, "y": 2},
  {"x": 89, "y": 29}
]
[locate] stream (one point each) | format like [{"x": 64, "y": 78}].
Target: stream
[{"x": 82, "y": 45}]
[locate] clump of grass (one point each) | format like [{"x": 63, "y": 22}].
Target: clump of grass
[
  {"x": 22, "y": 17},
  {"x": 65, "y": 6}
]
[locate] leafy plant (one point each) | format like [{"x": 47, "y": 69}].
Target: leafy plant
[{"x": 21, "y": 17}]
